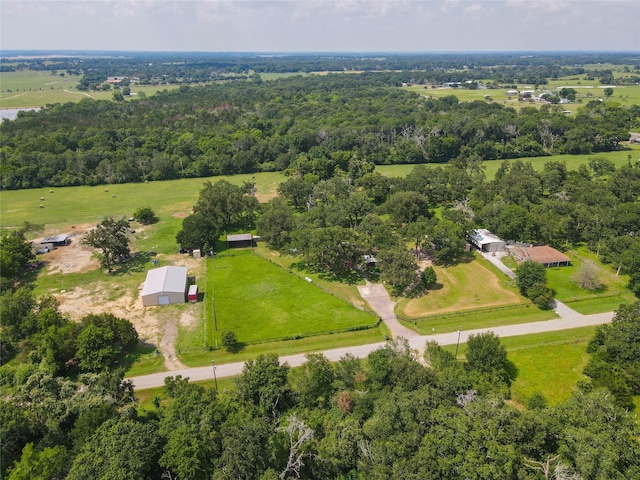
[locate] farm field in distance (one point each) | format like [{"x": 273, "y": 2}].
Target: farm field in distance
[
  {"x": 619, "y": 158},
  {"x": 38, "y": 88}
]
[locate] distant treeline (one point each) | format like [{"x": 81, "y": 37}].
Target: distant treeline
[
  {"x": 315, "y": 124},
  {"x": 188, "y": 68}
]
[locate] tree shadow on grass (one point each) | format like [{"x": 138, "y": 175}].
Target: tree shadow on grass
[
  {"x": 143, "y": 349},
  {"x": 511, "y": 370},
  {"x": 350, "y": 277},
  {"x": 139, "y": 262}
]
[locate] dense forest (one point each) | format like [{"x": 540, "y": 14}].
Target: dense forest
[
  {"x": 66, "y": 413},
  {"x": 317, "y": 123}
]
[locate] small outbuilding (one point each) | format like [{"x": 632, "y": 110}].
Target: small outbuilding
[
  {"x": 165, "y": 286},
  {"x": 192, "y": 296},
  {"x": 57, "y": 240},
  {"x": 240, "y": 240},
  {"x": 485, "y": 241},
  {"x": 543, "y": 254}
]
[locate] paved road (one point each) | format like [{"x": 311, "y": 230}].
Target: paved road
[{"x": 416, "y": 342}]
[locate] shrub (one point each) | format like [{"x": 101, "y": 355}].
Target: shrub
[
  {"x": 145, "y": 215},
  {"x": 229, "y": 341}
]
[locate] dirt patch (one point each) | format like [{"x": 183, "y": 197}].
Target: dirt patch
[
  {"x": 72, "y": 258},
  {"x": 180, "y": 215},
  {"x": 83, "y": 301}
]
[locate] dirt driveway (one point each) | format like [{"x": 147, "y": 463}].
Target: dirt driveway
[{"x": 154, "y": 324}]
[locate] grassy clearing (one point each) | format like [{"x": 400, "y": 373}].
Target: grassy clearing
[
  {"x": 466, "y": 286},
  {"x": 608, "y": 298},
  {"x": 619, "y": 158},
  {"x": 77, "y": 205},
  {"x": 345, "y": 287},
  {"x": 550, "y": 362},
  {"x": 318, "y": 343},
  {"x": 553, "y": 366},
  {"x": 226, "y": 388},
  {"x": 258, "y": 300},
  {"x": 39, "y": 88}
]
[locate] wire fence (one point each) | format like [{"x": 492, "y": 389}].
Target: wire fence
[
  {"x": 360, "y": 307},
  {"x": 298, "y": 336},
  {"x": 464, "y": 313}
]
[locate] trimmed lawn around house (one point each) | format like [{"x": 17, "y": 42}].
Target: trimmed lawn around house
[
  {"x": 608, "y": 298},
  {"x": 466, "y": 286}
]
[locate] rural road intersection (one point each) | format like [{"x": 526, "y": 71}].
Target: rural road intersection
[
  {"x": 378, "y": 298},
  {"x": 416, "y": 342}
]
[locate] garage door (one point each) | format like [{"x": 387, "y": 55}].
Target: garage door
[{"x": 163, "y": 300}]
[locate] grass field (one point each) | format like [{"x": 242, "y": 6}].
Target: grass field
[
  {"x": 613, "y": 292},
  {"x": 259, "y": 300},
  {"x": 39, "y": 88},
  {"x": 586, "y": 90},
  {"x": 550, "y": 363},
  {"x": 468, "y": 285},
  {"x": 619, "y": 158},
  {"x": 77, "y": 205}
]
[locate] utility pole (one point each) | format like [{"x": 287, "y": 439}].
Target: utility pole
[
  {"x": 458, "y": 343},
  {"x": 215, "y": 379}
]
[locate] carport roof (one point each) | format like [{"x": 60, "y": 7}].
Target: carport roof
[{"x": 165, "y": 279}]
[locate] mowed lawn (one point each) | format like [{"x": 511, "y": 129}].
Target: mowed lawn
[
  {"x": 465, "y": 286},
  {"x": 609, "y": 297},
  {"x": 550, "y": 363},
  {"x": 258, "y": 300}
]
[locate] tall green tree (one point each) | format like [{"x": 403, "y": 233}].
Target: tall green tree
[
  {"x": 120, "y": 448},
  {"x": 398, "y": 268},
  {"x": 110, "y": 238}
]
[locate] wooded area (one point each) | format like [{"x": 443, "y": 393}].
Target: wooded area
[
  {"x": 315, "y": 124},
  {"x": 66, "y": 411}
]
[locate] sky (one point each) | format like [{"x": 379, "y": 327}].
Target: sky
[{"x": 321, "y": 25}]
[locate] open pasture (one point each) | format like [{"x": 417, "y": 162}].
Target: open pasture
[
  {"x": 619, "y": 158},
  {"x": 38, "y": 88},
  {"x": 67, "y": 206}
]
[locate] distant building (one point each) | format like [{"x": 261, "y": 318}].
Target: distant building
[
  {"x": 56, "y": 240},
  {"x": 485, "y": 241},
  {"x": 115, "y": 79},
  {"x": 165, "y": 286}
]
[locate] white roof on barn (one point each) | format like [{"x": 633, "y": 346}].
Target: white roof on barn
[
  {"x": 165, "y": 279},
  {"x": 483, "y": 237}
]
